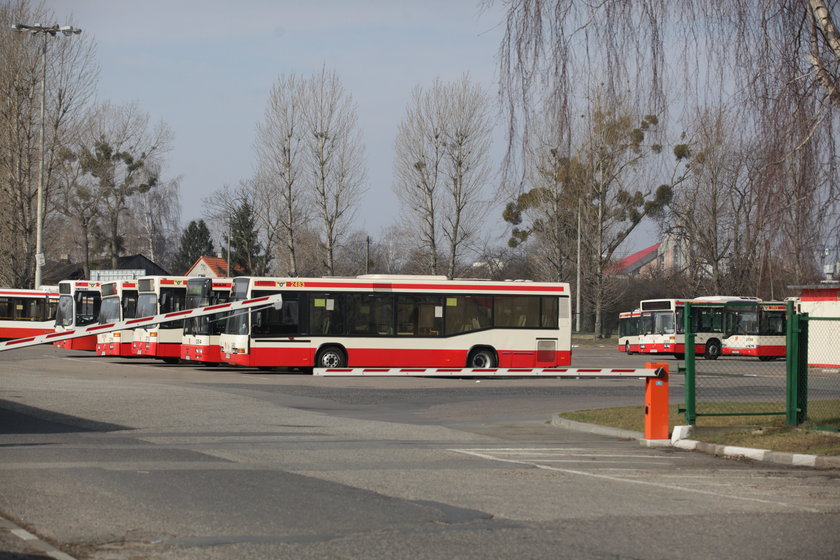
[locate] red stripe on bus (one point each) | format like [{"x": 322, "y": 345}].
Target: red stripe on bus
[{"x": 511, "y": 287}]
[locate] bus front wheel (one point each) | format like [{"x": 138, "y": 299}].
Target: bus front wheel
[
  {"x": 712, "y": 350},
  {"x": 482, "y": 358},
  {"x": 331, "y": 357}
]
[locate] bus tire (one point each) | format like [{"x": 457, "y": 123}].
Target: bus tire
[
  {"x": 171, "y": 360},
  {"x": 331, "y": 357},
  {"x": 679, "y": 356},
  {"x": 712, "y": 351},
  {"x": 482, "y": 358}
]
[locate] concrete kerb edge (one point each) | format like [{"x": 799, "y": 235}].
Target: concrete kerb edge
[{"x": 727, "y": 451}]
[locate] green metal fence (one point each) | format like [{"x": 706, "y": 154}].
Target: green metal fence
[
  {"x": 728, "y": 385},
  {"x": 818, "y": 385},
  {"x": 803, "y": 389}
]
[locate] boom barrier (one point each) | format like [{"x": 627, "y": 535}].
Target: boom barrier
[
  {"x": 655, "y": 375},
  {"x": 230, "y": 307},
  {"x": 487, "y": 372}
]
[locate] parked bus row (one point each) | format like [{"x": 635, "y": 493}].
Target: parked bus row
[
  {"x": 723, "y": 325},
  {"x": 367, "y": 321}
]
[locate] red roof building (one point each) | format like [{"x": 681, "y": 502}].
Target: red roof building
[
  {"x": 633, "y": 265},
  {"x": 209, "y": 267}
]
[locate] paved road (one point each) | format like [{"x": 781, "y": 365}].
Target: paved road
[{"x": 119, "y": 459}]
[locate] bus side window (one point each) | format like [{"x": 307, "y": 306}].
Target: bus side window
[
  {"x": 550, "y": 312},
  {"x": 465, "y": 314},
  {"x": 370, "y": 314},
  {"x": 517, "y": 311},
  {"x": 326, "y": 314},
  {"x": 419, "y": 315}
]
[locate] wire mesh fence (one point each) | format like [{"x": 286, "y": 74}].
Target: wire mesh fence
[
  {"x": 742, "y": 386},
  {"x": 764, "y": 378},
  {"x": 822, "y": 386},
  {"x": 735, "y": 366}
]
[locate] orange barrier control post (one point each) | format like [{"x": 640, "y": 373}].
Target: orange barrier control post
[{"x": 656, "y": 403}]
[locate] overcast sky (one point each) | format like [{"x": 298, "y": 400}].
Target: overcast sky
[{"x": 206, "y": 69}]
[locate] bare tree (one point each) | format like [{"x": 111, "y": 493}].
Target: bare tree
[
  {"x": 335, "y": 155},
  {"x": 282, "y": 200},
  {"x": 467, "y": 169},
  {"x": 442, "y": 167},
  {"x": 776, "y": 64},
  {"x": 71, "y": 78},
  {"x": 418, "y": 167},
  {"x": 153, "y": 222},
  {"x": 120, "y": 154},
  {"x": 80, "y": 202},
  {"x": 547, "y": 212}
]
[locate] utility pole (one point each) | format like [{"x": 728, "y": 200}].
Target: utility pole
[{"x": 52, "y": 30}]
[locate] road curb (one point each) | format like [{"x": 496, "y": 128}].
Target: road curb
[
  {"x": 561, "y": 422},
  {"x": 764, "y": 455},
  {"x": 727, "y": 451}
]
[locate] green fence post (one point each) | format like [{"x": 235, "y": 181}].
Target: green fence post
[
  {"x": 802, "y": 371},
  {"x": 796, "y": 406},
  {"x": 792, "y": 364},
  {"x": 690, "y": 372}
]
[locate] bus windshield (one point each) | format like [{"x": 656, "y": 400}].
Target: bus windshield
[
  {"x": 64, "y": 314},
  {"x": 147, "y": 305},
  {"x": 110, "y": 310},
  {"x": 664, "y": 322}
]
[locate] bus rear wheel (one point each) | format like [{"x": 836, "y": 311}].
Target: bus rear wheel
[
  {"x": 482, "y": 358},
  {"x": 331, "y": 357}
]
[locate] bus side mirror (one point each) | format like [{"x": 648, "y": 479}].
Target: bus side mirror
[{"x": 278, "y": 305}]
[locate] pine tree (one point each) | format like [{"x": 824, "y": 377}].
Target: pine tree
[
  {"x": 195, "y": 243},
  {"x": 246, "y": 251}
]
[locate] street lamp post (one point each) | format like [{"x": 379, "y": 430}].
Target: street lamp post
[{"x": 44, "y": 30}]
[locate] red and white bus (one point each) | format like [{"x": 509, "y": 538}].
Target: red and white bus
[
  {"x": 78, "y": 306},
  {"x": 119, "y": 302},
  {"x": 201, "y": 334},
  {"x": 660, "y": 321},
  {"x": 158, "y": 295},
  {"x": 629, "y": 323},
  {"x": 27, "y": 312},
  {"x": 662, "y": 326},
  {"x": 755, "y": 329},
  {"x": 401, "y": 321}
]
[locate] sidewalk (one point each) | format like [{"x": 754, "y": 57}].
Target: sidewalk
[{"x": 727, "y": 451}]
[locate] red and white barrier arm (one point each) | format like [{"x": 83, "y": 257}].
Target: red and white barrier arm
[
  {"x": 487, "y": 372},
  {"x": 249, "y": 304}
]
